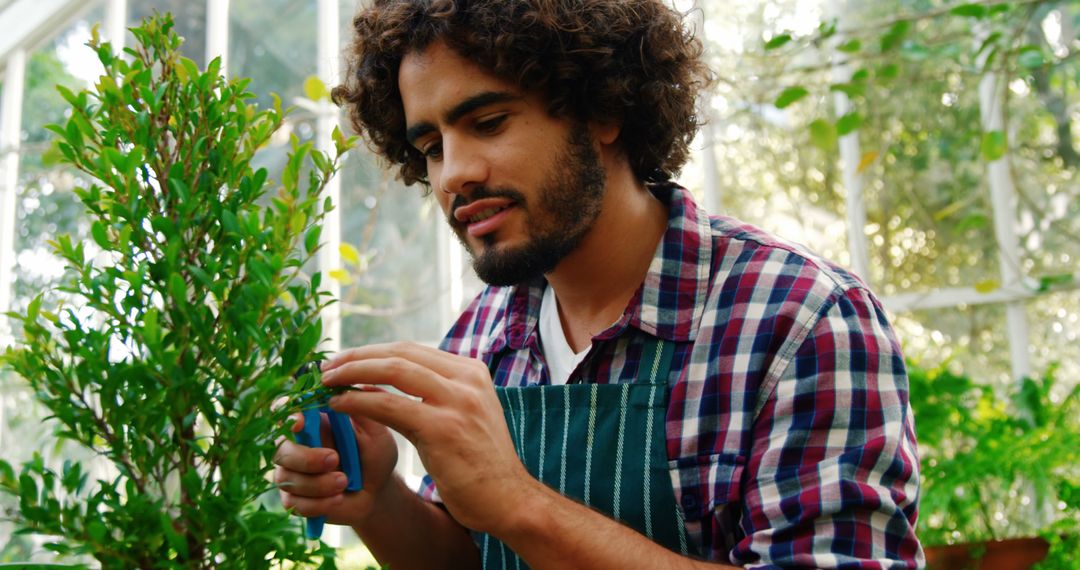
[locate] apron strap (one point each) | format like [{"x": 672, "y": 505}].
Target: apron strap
[{"x": 655, "y": 364}]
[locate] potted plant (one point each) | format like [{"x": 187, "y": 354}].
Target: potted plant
[
  {"x": 1000, "y": 474},
  {"x": 183, "y": 327}
]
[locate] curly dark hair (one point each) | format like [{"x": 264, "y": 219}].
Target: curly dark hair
[{"x": 631, "y": 62}]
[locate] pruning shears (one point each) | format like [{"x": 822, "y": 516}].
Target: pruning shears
[{"x": 341, "y": 427}]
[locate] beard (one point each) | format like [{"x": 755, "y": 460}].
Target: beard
[{"x": 566, "y": 208}]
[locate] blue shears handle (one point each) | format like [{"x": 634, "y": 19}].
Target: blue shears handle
[{"x": 311, "y": 436}]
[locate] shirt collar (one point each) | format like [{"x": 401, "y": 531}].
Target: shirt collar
[{"x": 668, "y": 304}]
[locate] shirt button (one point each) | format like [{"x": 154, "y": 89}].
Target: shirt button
[{"x": 689, "y": 501}]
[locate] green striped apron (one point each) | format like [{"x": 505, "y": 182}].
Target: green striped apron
[{"x": 603, "y": 445}]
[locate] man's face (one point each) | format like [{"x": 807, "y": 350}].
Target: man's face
[{"x": 519, "y": 187}]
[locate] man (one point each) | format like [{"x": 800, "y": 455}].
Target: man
[{"x": 641, "y": 386}]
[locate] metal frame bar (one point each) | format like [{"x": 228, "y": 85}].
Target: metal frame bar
[
  {"x": 28, "y": 23},
  {"x": 217, "y": 33},
  {"x": 327, "y": 119},
  {"x": 10, "y": 126},
  {"x": 1003, "y": 201}
]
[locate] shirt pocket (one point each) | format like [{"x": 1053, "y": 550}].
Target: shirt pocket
[{"x": 708, "y": 491}]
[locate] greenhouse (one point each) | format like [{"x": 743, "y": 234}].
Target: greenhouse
[{"x": 928, "y": 148}]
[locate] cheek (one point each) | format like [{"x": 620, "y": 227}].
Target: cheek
[{"x": 443, "y": 199}]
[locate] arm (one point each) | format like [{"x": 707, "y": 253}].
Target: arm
[
  {"x": 457, "y": 426},
  {"x": 834, "y": 468},
  {"x": 551, "y": 531},
  {"x": 409, "y": 532}
]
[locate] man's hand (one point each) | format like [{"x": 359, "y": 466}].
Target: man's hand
[
  {"x": 454, "y": 420},
  {"x": 311, "y": 484}
]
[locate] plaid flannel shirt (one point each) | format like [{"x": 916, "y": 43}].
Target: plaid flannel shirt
[{"x": 789, "y": 435}]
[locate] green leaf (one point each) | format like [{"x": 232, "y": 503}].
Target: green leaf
[
  {"x": 850, "y": 46},
  {"x": 341, "y": 143},
  {"x": 914, "y": 52},
  {"x": 151, "y": 329},
  {"x": 315, "y": 89},
  {"x": 848, "y": 123},
  {"x": 994, "y": 146},
  {"x": 178, "y": 289},
  {"x": 777, "y": 41},
  {"x": 7, "y": 474},
  {"x": 823, "y": 134},
  {"x": 888, "y": 71},
  {"x": 229, "y": 222},
  {"x": 895, "y": 36},
  {"x": 789, "y": 96},
  {"x": 1052, "y": 281},
  {"x": 310, "y": 338},
  {"x": 311, "y": 239},
  {"x": 97, "y": 531},
  {"x": 971, "y": 222},
  {"x": 827, "y": 30},
  {"x": 33, "y": 309},
  {"x": 53, "y": 154},
  {"x": 27, "y": 489},
  {"x": 969, "y": 11},
  {"x": 100, "y": 235},
  {"x": 850, "y": 89},
  {"x": 1030, "y": 57}
]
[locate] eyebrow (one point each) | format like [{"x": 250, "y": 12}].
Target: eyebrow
[{"x": 463, "y": 108}]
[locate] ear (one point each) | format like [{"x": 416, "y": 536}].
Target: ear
[{"x": 605, "y": 133}]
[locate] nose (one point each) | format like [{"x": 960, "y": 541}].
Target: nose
[{"x": 461, "y": 168}]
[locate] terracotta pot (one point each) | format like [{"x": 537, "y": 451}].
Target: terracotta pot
[{"x": 1011, "y": 554}]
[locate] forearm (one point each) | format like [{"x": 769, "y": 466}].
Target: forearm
[
  {"x": 552, "y": 531},
  {"x": 405, "y": 531}
]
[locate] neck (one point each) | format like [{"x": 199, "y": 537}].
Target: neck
[{"x": 596, "y": 281}]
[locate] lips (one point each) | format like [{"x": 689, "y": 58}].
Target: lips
[{"x": 483, "y": 216}]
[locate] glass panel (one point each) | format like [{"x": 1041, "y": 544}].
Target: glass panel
[
  {"x": 45, "y": 207},
  {"x": 274, "y": 43},
  {"x": 396, "y": 290}
]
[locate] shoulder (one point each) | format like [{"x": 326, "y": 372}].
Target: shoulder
[{"x": 770, "y": 277}]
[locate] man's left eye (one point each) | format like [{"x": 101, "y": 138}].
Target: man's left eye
[{"x": 490, "y": 125}]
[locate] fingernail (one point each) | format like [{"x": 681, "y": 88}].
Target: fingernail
[
  {"x": 331, "y": 461},
  {"x": 341, "y": 480}
]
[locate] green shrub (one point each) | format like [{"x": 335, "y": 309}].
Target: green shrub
[
  {"x": 997, "y": 467},
  {"x": 182, "y": 329}
]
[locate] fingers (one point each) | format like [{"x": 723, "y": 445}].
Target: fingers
[
  {"x": 321, "y": 486},
  {"x": 442, "y": 363},
  {"x": 405, "y": 375},
  {"x": 391, "y": 410},
  {"x": 310, "y": 507},
  {"x": 302, "y": 459}
]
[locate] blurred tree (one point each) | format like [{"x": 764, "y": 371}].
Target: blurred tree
[{"x": 916, "y": 67}]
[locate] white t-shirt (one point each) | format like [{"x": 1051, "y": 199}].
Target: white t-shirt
[{"x": 561, "y": 360}]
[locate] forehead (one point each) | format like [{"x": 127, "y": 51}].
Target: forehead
[{"x": 435, "y": 78}]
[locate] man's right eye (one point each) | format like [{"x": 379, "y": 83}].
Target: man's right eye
[{"x": 432, "y": 151}]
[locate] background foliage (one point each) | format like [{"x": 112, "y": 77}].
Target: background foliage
[{"x": 914, "y": 67}]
